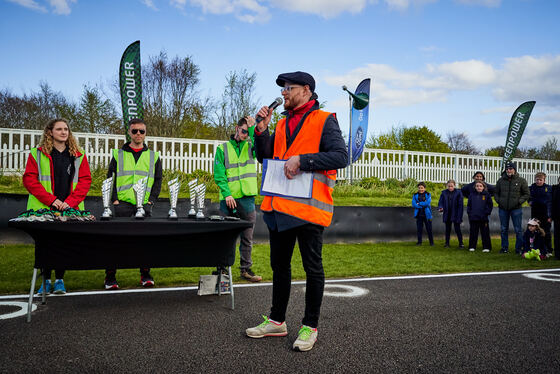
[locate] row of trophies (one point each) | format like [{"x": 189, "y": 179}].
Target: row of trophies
[{"x": 197, "y": 194}]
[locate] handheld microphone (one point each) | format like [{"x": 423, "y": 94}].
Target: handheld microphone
[{"x": 272, "y": 106}]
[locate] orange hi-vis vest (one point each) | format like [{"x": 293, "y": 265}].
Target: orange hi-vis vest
[{"x": 319, "y": 208}]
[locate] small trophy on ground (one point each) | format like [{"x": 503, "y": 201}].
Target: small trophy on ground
[
  {"x": 106, "y": 189},
  {"x": 174, "y": 185},
  {"x": 140, "y": 190},
  {"x": 200, "y": 193},
  {"x": 192, "y": 192}
]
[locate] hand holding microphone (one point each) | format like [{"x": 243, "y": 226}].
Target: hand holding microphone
[{"x": 265, "y": 113}]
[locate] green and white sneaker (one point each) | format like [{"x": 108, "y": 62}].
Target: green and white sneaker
[
  {"x": 307, "y": 336},
  {"x": 267, "y": 328}
]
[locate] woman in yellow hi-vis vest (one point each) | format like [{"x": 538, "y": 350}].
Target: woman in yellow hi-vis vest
[
  {"x": 310, "y": 140},
  {"x": 57, "y": 176}
]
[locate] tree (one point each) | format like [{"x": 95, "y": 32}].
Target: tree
[
  {"x": 549, "y": 150},
  {"x": 97, "y": 114},
  {"x": 172, "y": 106},
  {"x": 237, "y": 101},
  {"x": 415, "y": 138},
  {"x": 460, "y": 143}
]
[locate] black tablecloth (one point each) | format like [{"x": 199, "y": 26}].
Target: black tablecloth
[{"x": 129, "y": 243}]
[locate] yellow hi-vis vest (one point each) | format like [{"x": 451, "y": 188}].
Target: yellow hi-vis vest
[
  {"x": 129, "y": 172},
  {"x": 319, "y": 208},
  {"x": 241, "y": 171},
  {"x": 45, "y": 178}
]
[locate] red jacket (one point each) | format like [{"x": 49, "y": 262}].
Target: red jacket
[{"x": 31, "y": 182}]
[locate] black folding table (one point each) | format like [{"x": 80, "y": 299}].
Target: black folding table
[{"x": 125, "y": 243}]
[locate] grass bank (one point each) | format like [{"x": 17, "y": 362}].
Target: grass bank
[{"x": 340, "y": 261}]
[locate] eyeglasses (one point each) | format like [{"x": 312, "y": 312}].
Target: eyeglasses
[
  {"x": 136, "y": 131},
  {"x": 243, "y": 131},
  {"x": 288, "y": 88}
]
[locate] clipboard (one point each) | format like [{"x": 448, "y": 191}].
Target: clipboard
[{"x": 275, "y": 183}]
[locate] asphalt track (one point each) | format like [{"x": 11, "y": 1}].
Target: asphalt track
[{"x": 484, "y": 323}]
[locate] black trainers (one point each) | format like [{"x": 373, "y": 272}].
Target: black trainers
[
  {"x": 504, "y": 250},
  {"x": 146, "y": 280},
  {"x": 111, "y": 283},
  {"x": 446, "y": 245}
]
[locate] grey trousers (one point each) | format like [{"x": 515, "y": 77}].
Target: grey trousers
[{"x": 246, "y": 242}]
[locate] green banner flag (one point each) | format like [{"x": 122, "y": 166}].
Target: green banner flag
[
  {"x": 130, "y": 82},
  {"x": 517, "y": 125}
]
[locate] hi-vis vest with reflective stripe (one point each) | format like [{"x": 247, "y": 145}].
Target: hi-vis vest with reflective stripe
[
  {"x": 44, "y": 167},
  {"x": 241, "y": 171},
  {"x": 319, "y": 208},
  {"x": 129, "y": 172}
]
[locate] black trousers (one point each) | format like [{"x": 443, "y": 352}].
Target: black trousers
[
  {"x": 310, "y": 241},
  {"x": 457, "y": 227},
  {"x": 420, "y": 221},
  {"x": 124, "y": 209},
  {"x": 475, "y": 227},
  {"x": 58, "y": 273},
  {"x": 557, "y": 238}
]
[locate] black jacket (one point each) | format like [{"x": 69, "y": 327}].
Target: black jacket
[
  {"x": 540, "y": 200},
  {"x": 511, "y": 193},
  {"x": 479, "y": 206},
  {"x": 158, "y": 173},
  {"x": 555, "y": 202}
]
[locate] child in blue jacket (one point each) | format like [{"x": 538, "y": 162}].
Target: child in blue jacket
[
  {"x": 479, "y": 208},
  {"x": 451, "y": 205},
  {"x": 423, "y": 212}
]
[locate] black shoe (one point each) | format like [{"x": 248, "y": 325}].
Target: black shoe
[
  {"x": 111, "y": 283},
  {"x": 504, "y": 250},
  {"x": 446, "y": 245},
  {"x": 431, "y": 244},
  {"x": 419, "y": 243},
  {"x": 146, "y": 280},
  {"x": 461, "y": 246}
]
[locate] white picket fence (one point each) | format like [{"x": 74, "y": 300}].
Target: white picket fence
[{"x": 189, "y": 155}]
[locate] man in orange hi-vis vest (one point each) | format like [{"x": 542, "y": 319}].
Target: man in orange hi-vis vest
[{"x": 310, "y": 140}]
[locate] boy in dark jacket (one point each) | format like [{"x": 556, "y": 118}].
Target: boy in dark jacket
[
  {"x": 451, "y": 205},
  {"x": 421, "y": 202},
  {"x": 540, "y": 200},
  {"x": 479, "y": 208}
]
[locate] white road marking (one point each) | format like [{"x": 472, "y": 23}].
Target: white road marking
[
  {"x": 544, "y": 277},
  {"x": 18, "y": 313},
  {"x": 264, "y": 284},
  {"x": 348, "y": 291}
]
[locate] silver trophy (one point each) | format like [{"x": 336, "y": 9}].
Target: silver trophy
[
  {"x": 192, "y": 192},
  {"x": 140, "y": 190},
  {"x": 106, "y": 189},
  {"x": 200, "y": 193},
  {"x": 173, "y": 195}
]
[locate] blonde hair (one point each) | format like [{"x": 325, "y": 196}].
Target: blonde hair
[
  {"x": 483, "y": 185},
  {"x": 451, "y": 181},
  {"x": 46, "y": 142}
]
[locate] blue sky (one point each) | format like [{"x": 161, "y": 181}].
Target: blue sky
[{"x": 453, "y": 65}]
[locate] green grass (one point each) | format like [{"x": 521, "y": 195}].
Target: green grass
[{"x": 340, "y": 261}]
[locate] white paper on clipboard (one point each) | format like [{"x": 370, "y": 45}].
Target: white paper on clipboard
[{"x": 276, "y": 183}]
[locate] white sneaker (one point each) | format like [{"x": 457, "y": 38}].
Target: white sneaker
[
  {"x": 471, "y": 249},
  {"x": 485, "y": 250},
  {"x": 307, "y": 337},
  {"x": 267, "y": 328}
]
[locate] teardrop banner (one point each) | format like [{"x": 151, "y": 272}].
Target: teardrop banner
[
  {"x": 359, "y": 121},
  {"x": 516, "y": 127},
  {"x": 130, "y": 82}
]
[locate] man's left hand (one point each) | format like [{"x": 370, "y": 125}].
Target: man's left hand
[{"x": 291, "y": 167}]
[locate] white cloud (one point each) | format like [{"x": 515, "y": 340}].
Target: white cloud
[
  {"x": 61, "y": 6},
  {"x": 150, "y": 4},
  {"x": 402, "y": 5},
  {"x": 245, "y": 10},
  {"x": 30, "y": 4},
  {"x": 520, "y": 79},
  {"x": 530, "y": 78},
  {"x": 323, "y": 8}
]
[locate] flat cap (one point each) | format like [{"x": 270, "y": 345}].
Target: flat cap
[{"x": 298, "y": 77}]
